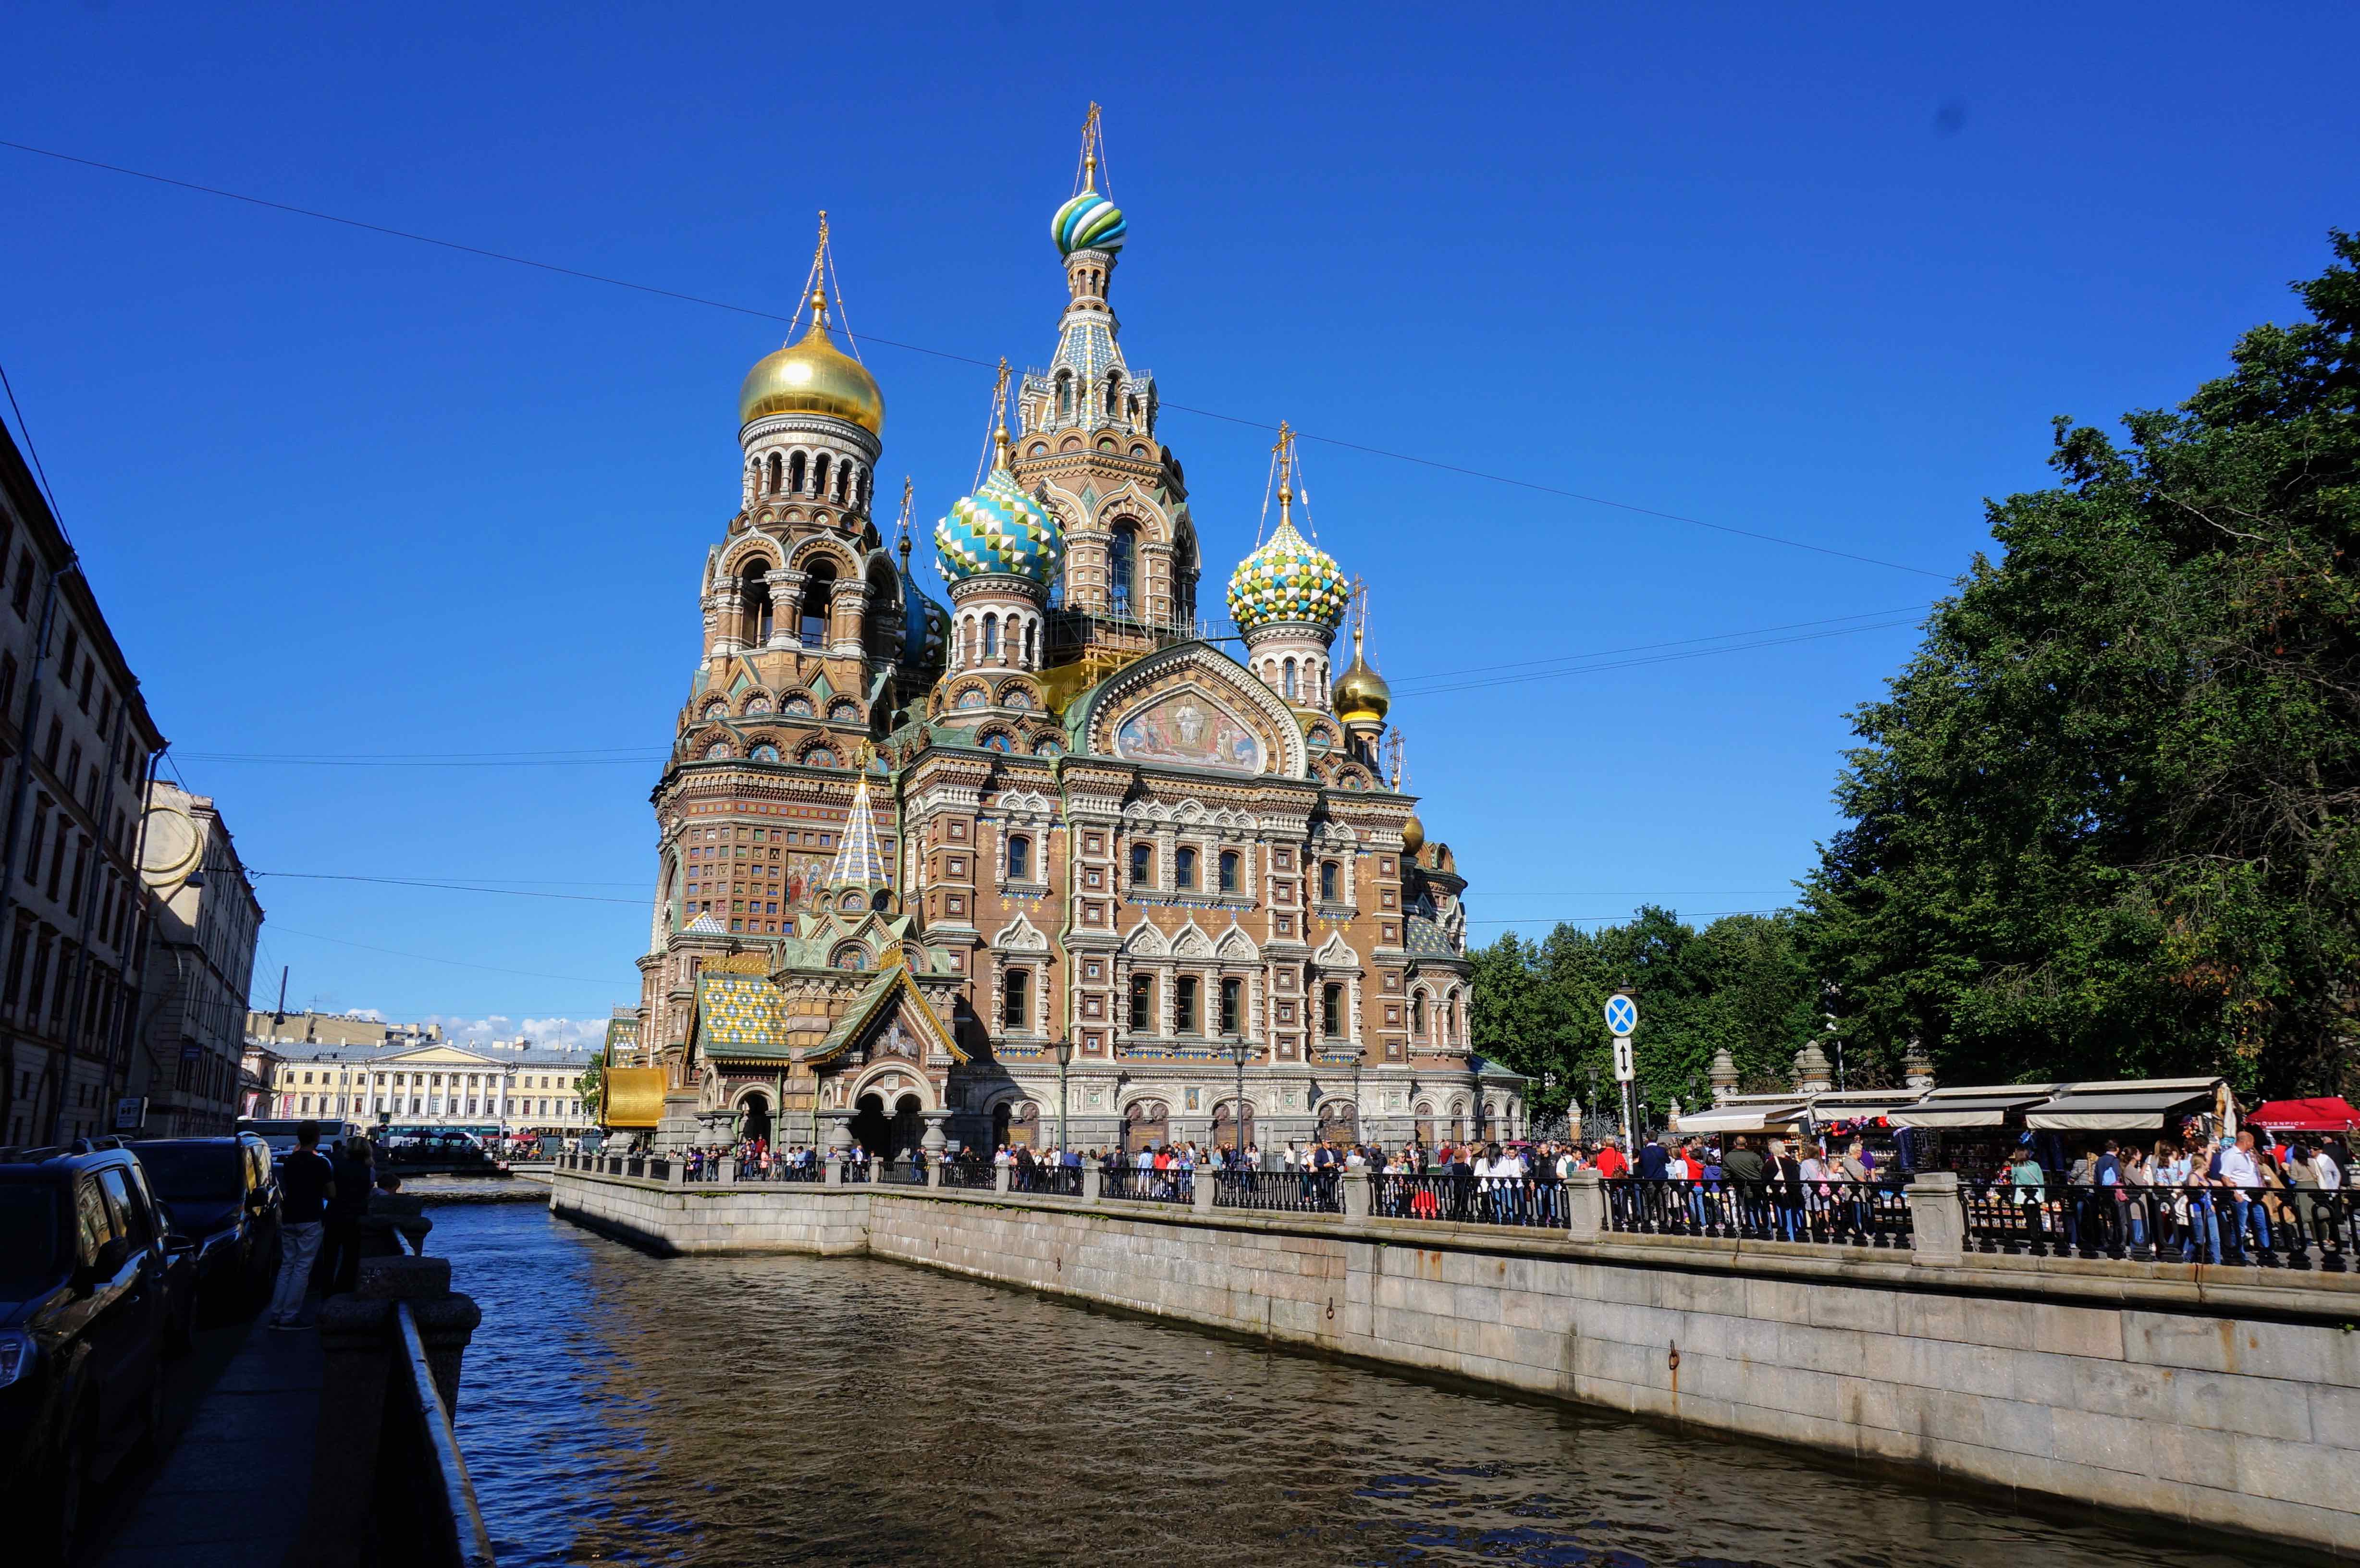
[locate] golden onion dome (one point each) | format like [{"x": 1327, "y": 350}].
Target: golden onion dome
[
  {"x": 812, "y": 375},
  {"x": 1413, "y": 837},
  {"x": 1360, "y": 693}
]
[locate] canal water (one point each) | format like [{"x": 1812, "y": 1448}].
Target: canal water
[{"x": 620, "y": 1408}]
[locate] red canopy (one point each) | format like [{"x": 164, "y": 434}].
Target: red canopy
[{"x": 2307, "y": 1115}]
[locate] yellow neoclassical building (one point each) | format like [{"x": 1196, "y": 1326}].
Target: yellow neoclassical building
[{"x": 505, "y": 1088}]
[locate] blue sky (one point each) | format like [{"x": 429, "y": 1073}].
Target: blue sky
[{"x": 1813, "y": 272}]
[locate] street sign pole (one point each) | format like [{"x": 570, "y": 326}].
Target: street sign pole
[{"x": 1622, "y": 1018}]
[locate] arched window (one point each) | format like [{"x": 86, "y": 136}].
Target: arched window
[
  {"x": 1330, "y": 881},
  {"x": 1064, "y": 395},
  {"x": 842, "y": 481},
  {"x": 1142, "y": 865},
  {"x": 1331, "y": 1010},
  {"x": 777, "y": 465},
  {"x": 1233, "y": 1004},
  {"x": 1031, "y": 652},
  {"x": 1142, "y": 1004},
  {"x": 1183, "y": 869},
  {"x": 849, "y": 956},
  {"x": 1113, "y": 392},
  {"x": 967, "y": 642},
  {"x": 796, "y": 473},
  {"x": 1020, "y": 859},
  {"x": 1418, "y": 1017},
  {"x": 990, "y": 637},
  {"x": 1011, "y": 1001},
  {"x": 1288, "y": 681},
  {"x": 1122, "y": 567},
  {"x": 819, "y": 474},
  {"x": 819, "y": 598},
  {"x": 754, "y": 596},
  {"x": 1230, "y": 863}
]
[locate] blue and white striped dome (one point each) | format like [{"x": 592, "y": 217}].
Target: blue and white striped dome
[
  {"x": 1088, "y": 221},
  {"x": 998, "y": 531}
]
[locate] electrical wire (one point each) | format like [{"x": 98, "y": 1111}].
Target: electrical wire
[
  {"x": 960, "y": 358},
  {"x": 431, "y": 958},
  {"x": 33, "y": 452},
  {"x": 1414, "y": 680},
  {"x": 450, "y": 887}
]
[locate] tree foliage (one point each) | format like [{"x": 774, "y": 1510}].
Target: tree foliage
[
  {"x": 1739, "y": 984},
  {"x": 2103, "y": 823}
]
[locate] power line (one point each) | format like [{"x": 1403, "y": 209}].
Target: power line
[
  {"x": 450, "y": 887},
  {"x": 435, "y": 760},
  {"x": 1408, "y": 681},
  {"x": 33, "y": 452},
  {"x": 430, "y": 958},
  {"x": 1657, "y": 659},
  {"x": 614, "y": 282},
  {"x": 1613, "y": 919}
]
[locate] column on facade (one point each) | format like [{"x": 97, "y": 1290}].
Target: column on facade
[{"x": 786, "y": 607}]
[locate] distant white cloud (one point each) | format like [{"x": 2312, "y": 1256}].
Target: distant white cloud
[{"x": 577, "y": 1034}]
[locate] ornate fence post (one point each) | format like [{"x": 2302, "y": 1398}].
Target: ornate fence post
[
  {"x": 1003, "y": 1178},
  {"x": 1093, "y": 1183},
  {"x": 1207, "y": 1180},
  {"x": 675, "y": 1172},
  {"x": 1356, "y": 1193},
  {"x": 726, "y": 1172},
  {"x": 831, "y": 1172},
  {"x": 935, "y": 1170},
  {"x": 1937, "y": 1221},
  {"x": 1585, "y": 1205}
]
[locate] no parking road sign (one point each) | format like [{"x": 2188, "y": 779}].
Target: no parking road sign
[{"x": 1621, "y": 1015}]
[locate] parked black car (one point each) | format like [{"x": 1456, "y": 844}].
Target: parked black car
[
  {"x": 84, "y": 1284},
  {"x": 223, "y": 1194}
]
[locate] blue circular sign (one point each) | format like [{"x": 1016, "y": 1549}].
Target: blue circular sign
[{"x": 1621, "y": 1015}]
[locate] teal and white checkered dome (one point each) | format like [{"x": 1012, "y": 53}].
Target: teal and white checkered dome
[
  {"x": 998, "y": 531},
  {"x": 1288, "y": 579}
]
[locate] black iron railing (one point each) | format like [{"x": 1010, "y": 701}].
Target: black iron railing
[
  {"x": 971, "y": 1174},
  {"x": 1289, "y": 1192},
  {"x": 2272, "y": 1227},
  {"x": 780, "y": 1167},
  {"x": 1828, "y": 1212},
  {"x": 1131, "y": 1183},
  {"x": 445, "y": 1511},
  {"x": 1448, "y": 1198},
  {"x": 1049, "y": 1180}
]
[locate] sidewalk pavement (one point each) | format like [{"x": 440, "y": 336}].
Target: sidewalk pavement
[{"x": 232, "y": 1492}]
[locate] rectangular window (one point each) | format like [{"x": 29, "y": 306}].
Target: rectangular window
[
  {"x": 1183, "y": 1005},
  {"x": 1020, "y": 859},
  {"x": 18, "y": 952},
  {"x": 70, "y": 657},
  {"x": 49, "y": 750},
  {"x": 24, "y": 597},
  {"x": 33, "y": 855},
  {"x": 1183, "y": 869},
  {"x": 1330, "y": 881},
  {"x": 7, "y": 681},
  {"x": 89, "y": 667},
  {"x": 1011, "y": 1006},
  {"x": 1142, "y": 1004},
  {"x": 1142, "y": 865},
  {"x": 1230, "y": 863},
  {"x": 1331, "y": 1011},
  {"x": 1232, "y": 1005}
]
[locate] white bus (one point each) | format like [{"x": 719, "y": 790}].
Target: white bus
[{"x": 279, "y": 1133}]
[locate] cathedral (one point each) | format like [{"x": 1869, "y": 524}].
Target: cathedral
[{"x": 1043, "y": 847}]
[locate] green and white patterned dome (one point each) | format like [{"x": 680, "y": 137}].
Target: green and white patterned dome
[
  {"x": 1088, "y": 221},
  {"x": 1289, "y": 579},
  {"x": 998, "y": 531}
]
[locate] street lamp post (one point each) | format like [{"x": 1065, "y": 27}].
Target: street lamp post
[
  {"x": 1065, "y": 1050},
  {"x": 1238, "y": 1050},
  {"x": 1360, "y": 1051}
]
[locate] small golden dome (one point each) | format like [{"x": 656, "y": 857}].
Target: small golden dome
[
  {"x": 813, "y": 376},
  {"x": 1361, "y": 694},
  {"x": 1413, "y": 837}
]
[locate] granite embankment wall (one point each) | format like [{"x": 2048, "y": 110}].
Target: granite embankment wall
[{"x": 2224, "y": 1398}]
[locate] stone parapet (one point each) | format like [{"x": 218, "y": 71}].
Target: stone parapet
[{"x": 2224, "y": 1398}]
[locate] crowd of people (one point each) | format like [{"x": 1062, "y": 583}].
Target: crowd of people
[{"x": 2236, "y": 1200}]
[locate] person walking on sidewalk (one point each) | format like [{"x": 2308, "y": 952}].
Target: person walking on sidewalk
[{"x": 306, "y": 1181}]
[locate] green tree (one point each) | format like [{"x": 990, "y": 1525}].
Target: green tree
[
  {"x": 1740, "y": 985},
  {"x": 592, "y": 1087},
  {"x": 2103, "y": 823}
]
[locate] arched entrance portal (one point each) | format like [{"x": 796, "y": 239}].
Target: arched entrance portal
[
  {"x": 870, "y": 1127},
  {"x": 1146, "y": 1125},
  {"x": 754, "y": 1117},
  {"x": 1016, "y": 1123},
  {"x": 908, "y": 1126},
  {"x": 1225, "y": 1132},
  {"x": 1425, "y": 1125}
]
